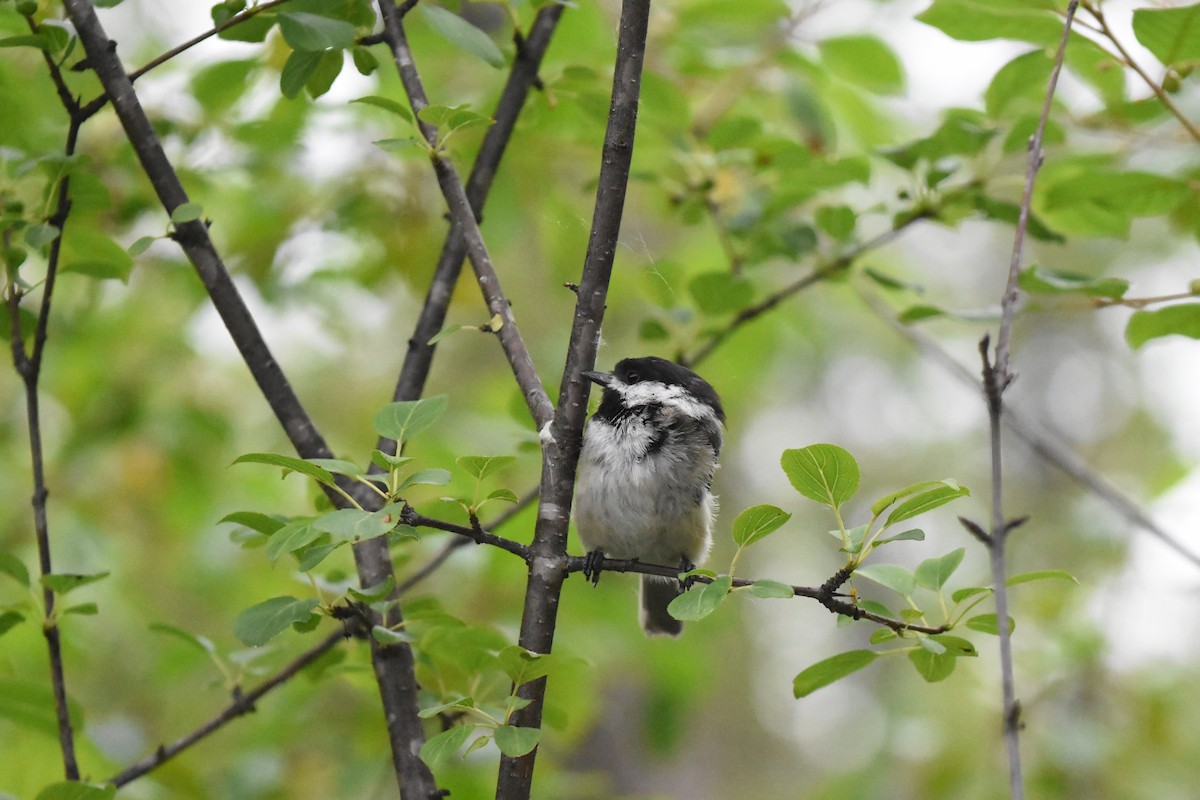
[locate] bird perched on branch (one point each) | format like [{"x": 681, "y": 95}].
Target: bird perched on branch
[{"x": 645, "y": 476}]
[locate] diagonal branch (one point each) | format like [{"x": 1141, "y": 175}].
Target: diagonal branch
[
  {"x": 463, "y": 216},
  {"x": 512, "y": 99},
  {"x": 393, "y": 665}
]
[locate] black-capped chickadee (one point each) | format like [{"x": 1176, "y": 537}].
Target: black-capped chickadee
[{"x": 645, "y": 475}]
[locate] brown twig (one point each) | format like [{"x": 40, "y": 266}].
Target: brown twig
[
  {"x": 997, "y": 376},
  {"x": 242, "y": 703},
  {"x": 462, "y": 215}
]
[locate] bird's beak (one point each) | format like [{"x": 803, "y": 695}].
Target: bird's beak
[{"x": 602, "y": 378}]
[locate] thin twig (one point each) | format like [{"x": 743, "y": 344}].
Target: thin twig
[
  {"x": 833, "y": 267},
  {"x": 1103, "y": 29},
  {"x": 1027, "y": 430},
  {"x": 419, "y": 356},
  {"x": 826, "y": 594},
  {"x": 393, "y": 665},
  {"x": 997, "y": 376},
  {"x": 475, "y": 534},
  {"x": 98, "y": 103},
  {"x": 28, "y": 365},
  {"x": 242, "y": 703},
  {"x": 462, "y": 215}
]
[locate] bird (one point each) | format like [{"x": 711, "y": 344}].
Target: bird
[{"x": 646, "y": 466}]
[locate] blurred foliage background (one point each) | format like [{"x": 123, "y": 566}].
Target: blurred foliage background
[{"x": 773, "y": 140}]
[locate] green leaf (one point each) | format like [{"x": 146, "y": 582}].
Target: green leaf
[
  {"x": 1097, "y": 202},
  {"x": 251, "y": 29},
  {"x": 30, "y": 704},
  {"x": 387, "y": 636},
  {"x": 970, "y": 591},
  {"x": 1040, "y": 575},
  {"x": 187, "y": 212},
  {"x": 955, "y": 645},
  {"x": 426, "y": 477},
  {"x": 934, "y": 572},
  {"x": 83, "y": 609},
  {"x": 310, "y": 556},
  {"x": 919, "y": 312},
  {"x": 374, "y": 593},
  {"x": 865, "y": 61},
  {"x": 95, "y": 254},
  {"x": 289, "y": 464},
  {"x": 830, "y": 670},
  {"x": 260, "y": 623},
  {"x": 74, "y": 790},
  {"x": 1171, "y": 34},
  {"x": 911, "y": 535},
  {"x": 1023, "y": 79},
  {"x": 314, "y": 33},
  {"x": 515, "y": 742},
  {"x": 983, "y": 20},
  {"x": 854, "y": 538},
  {"x": 14, "y": 568},
  {"x": 353, "y": 524},
  {"x": 1178, "y": 320},
  {"x": 523, "y": 666},
  {"x": 201, "y": 643},
  {"x": 337, "y": 466},
  {"x": 758, "y": 522},
  {"x": 479, "y": 467},
  {"x": 701, "y": 600},
  {"x": 141, "y": 246},
  {"x": 507, "y": 495},
  {"x": 10, "y": 619},
  {"x": 990, "y": 623},
  {"x": 933, "y": 667},
  {"x": 439, "y": 749},
  {"x": 387, "y": 104},
  {"x": 822, "y": 472},
  {"x": 254, "y": 521},
  {"x": 219, "y": 86},
  {"x": 291, "y": 537},
  {"x": 452, "y": 118},
  {"x": 39, "y": 235},
  {"x": 399, "y": 421},
  {"x": 932, "y": 645},
  {"x": 1043, "y": 280},
  {"x": 389, "y": 462},
  {"x": 720, "y": 292},
  {"x": 770, "y": 589},
  {"x": 61, "y": 584},
  {"x": 451, "y": 706},
  {"x": 882, "y": 503},
  {"x": 893, "y": 576},
  {"x": 322, "y": 77},
  {"x": 462, "y": 34},
  {"x": 26, "y": 40},
  {"x": 299, "y": 67},
  {"x": 927, "y": 501},
  {"x": 837, "y": 221}
]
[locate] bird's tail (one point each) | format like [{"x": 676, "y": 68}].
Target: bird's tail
[{"x": 657, "y": 593}]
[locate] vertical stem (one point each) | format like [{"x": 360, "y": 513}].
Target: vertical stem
[
  {"x": 29, "y": 366},
  {"x": 560, "y": 453},
  {"x": 996, "y": 379}
]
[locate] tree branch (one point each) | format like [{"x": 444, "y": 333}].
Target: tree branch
[
  {"x": 242, "y": 703},
  {"x": 463, "y": 217},
  {"x": 997, "y": 376},
  {"x": 437, "y": 300},
  {"x": 826, "y": 594},
  {"x": 560, "y": 451},
  {"x": 393, "y": 665},
  {"x": 818, "y": 274}
]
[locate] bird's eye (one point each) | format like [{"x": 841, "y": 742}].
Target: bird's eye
[{"x": 633, "y": 378}]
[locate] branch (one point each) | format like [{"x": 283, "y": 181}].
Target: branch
[
  {"x": 393, "y": 665},
  {"x": 1028, "y": 431},
  {"x": 826, "y": 594},
  {"x": 437, "y": 300},
  {"x": 242, "y": 703},
  {"x": 28, "y": 365},
  {"x": 818, "y": 274},
  {"x": 996, "y": 379},
  {"x": 98, "y": 103},
  {"x": 560, "y": 451},
  {"x": 1155, "y": 86},
  {"x": 476, "y": 534},
  {"x": 463, "y": 217}
]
